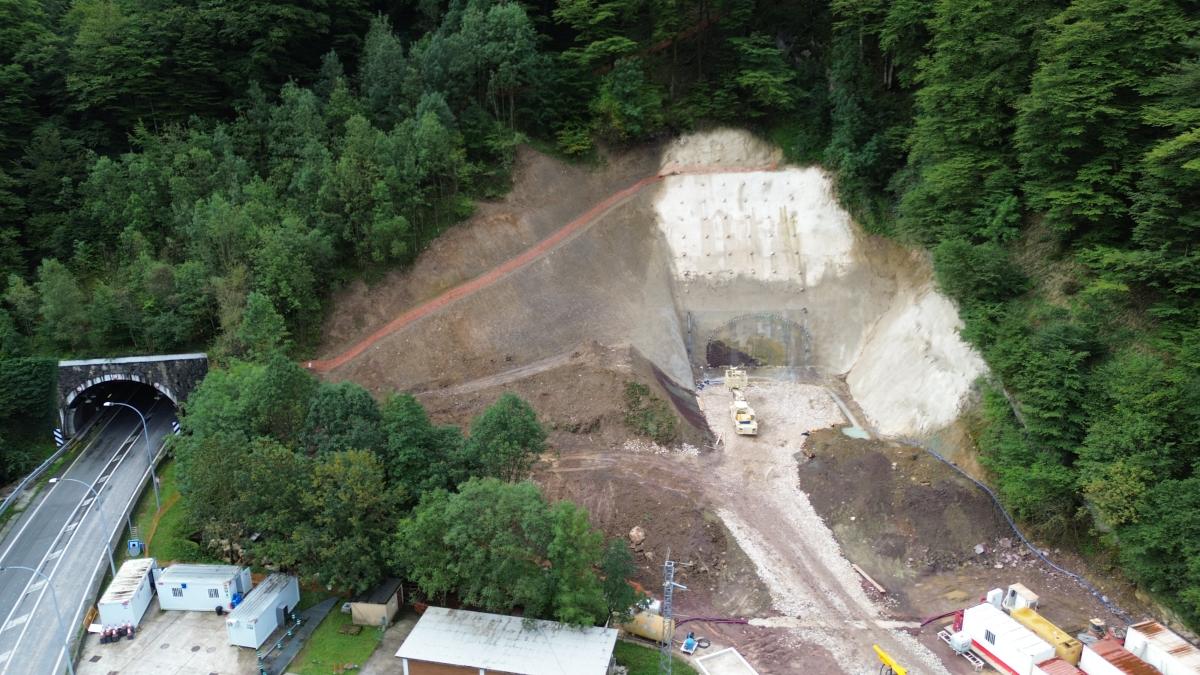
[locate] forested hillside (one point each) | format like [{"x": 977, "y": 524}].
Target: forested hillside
[{"x": 202, "y": 174}]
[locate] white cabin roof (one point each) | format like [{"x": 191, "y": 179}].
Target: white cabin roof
[
  {"x": 510, "y": 644},
  {"x": 128, "y": 578},
  {"x": 199, "y": 574},
  {"x": 263, "y": 598},
  {"x": 1008, "y": 631}
]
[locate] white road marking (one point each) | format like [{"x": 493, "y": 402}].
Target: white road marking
[
  {"x": 33, "y": 516},
  {"x": 16, "y": 622},
  {"x": 5, "y": 657},
  {"x": 54, "y": 555},
  {"x": 124, "y": 454}
]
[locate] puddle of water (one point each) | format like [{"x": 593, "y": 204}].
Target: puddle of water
[{"x": 856, "y": 432}]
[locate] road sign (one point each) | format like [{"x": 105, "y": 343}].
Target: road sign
[{"x": 58, "y": 437}]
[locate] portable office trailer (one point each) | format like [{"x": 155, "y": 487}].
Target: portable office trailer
[
  {"x": 202, "y": 588},
  {"x": 264, "y": 610},
  {"x": 998, "y": 638},
  {"x": 1155, "y": 644},
  {"x": 127, "y": 597},
  {"x": 1108, "y": 657}
]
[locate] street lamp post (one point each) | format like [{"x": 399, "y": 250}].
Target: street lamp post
[
  {"x": 61, "y": 624},
  {"x": 149, "y": 454},
  {"x": 103, "y": 520}
]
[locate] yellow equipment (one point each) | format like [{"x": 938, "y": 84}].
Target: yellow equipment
[
  {"x": 1066, "y": 647},
  {"x": 889, "y": 667},
  {"x": 650, "y": 626},
  {"x": 744, "y": 422}
]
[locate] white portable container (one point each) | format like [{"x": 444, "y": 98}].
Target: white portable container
[
  {"x": 264, "y": 610},
  {"x": 202, "y": 588},
  {"x": 127, "y": 597},
  {"x": 997, "y": 637},
  {"x": 1108, "y": 657},
  {"x": 1157, "y": 645}
]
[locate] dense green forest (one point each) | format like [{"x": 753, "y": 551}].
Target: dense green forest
[
  {"x": 177, "y": 174},
  {"x": 359, "y": 489}
]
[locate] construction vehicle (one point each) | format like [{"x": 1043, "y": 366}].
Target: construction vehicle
[
  {"x": 888, "y": 664},
  {"x": 744, "y": 421}
]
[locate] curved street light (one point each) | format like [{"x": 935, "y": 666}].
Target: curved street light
[
  {"x": 61, "y": 624},
  {"x": 149, "y": 454},
  {"x": 103, "y": 520}
]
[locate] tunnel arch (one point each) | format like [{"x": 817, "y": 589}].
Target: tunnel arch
[
  {"x": 118, "y": 377},
  {"x": 171, "y": 377},
  {"x": 85, "y": 403}
]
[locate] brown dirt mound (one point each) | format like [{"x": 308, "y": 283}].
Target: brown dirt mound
[{"x": 913, "y": 523}]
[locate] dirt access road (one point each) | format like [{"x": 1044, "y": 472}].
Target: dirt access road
[
  {"x": 826, "y": 614},
  {"x": 521, "y": 261}
]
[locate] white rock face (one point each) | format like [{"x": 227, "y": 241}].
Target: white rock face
[
  {"x": 769, "y": 225},
  {"x": 777, "y": 241},
  {"x": 915, "y": 371}
]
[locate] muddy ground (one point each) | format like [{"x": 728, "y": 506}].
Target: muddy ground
[{"x": 913, "y": 524}]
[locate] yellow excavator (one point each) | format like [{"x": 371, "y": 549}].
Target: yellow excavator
[
  {"x": 744, "y": 421},
  {"x": 889, "y": 665}
]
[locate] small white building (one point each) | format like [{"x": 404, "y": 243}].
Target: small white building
[
  {"x": 1160, "y": 647},
  {"x": 999, "y": 639},
  {"x": 264, "y": 610},
  {"x": 1108, "y": 657},
  {"x": 450, "y": 641},
  {"x": 127, "y": 597},
  {"x": 202, "y": 588}
]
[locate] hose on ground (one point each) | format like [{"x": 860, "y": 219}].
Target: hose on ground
[{"x": 1084, "y": 583}]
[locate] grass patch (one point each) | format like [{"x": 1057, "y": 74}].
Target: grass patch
[
  {"x": 649, "y": 415},
  {"x": 166, "y": 532},
  {"x": 328, "y": 649},
  {"x": 644, "y": 660}
]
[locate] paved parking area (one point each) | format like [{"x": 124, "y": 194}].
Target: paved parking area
[{"x": 169, "y": 643}]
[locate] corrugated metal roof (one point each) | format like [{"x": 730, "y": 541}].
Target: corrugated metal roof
[
  {"x": 264, "y": 597},
  {"x": 1110, "y": 650},
  {"x": 1183, "y": 651},
  {"x": 1059, "y": 667},
  {"x": 508, "y": 644},
  {"x": 177, "y": 574},
  {"x": 128, "y": 578}
]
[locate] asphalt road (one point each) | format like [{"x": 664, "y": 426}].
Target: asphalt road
[{"x": 61, "y": 534}]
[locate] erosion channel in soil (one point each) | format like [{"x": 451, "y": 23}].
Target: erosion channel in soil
[{"x": 661, "y": 267}]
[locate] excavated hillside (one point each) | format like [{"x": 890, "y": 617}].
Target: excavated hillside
[
  {"x": 716, "y": 256},
  {"x": 662, "y": 267}
]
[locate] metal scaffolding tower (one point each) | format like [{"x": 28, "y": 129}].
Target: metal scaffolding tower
[{"x": 666, "y": 652}]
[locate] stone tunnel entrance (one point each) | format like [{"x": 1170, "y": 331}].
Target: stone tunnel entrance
[{"x": 145, "y": 382}]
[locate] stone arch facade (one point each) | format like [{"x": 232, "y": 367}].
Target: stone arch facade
[{"x": 172, "y": 375}]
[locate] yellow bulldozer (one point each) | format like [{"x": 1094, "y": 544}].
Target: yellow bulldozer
[{"x": 744, "y": 421}]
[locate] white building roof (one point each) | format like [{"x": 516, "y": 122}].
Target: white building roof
[
  {"x": 128, "y": 578},
  {"x": 1180, "y": 651},
  {"x": 263, "y": 598},
  {"x": 200, "y": 574},
  {"x": 509, "y": 644},
  {"x": 1008, "y": 631}
]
